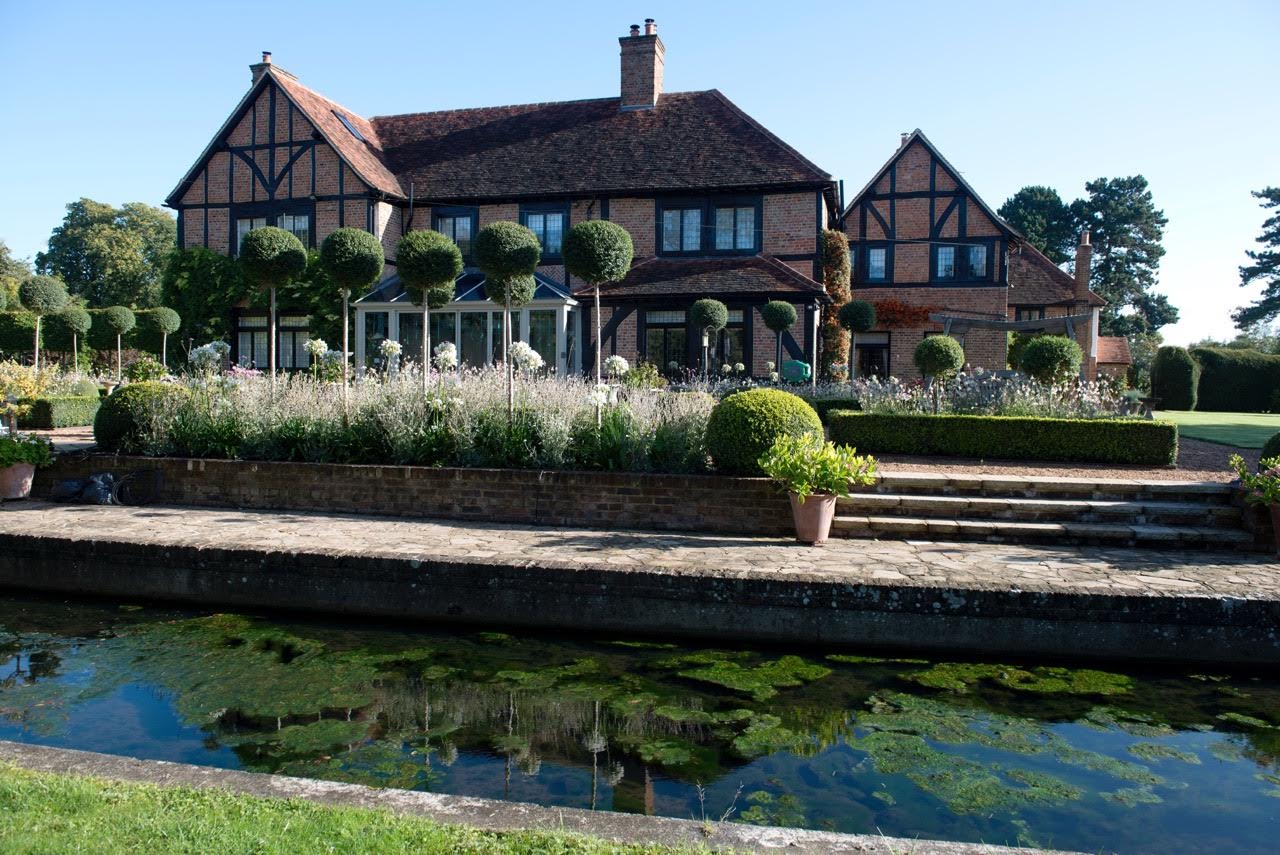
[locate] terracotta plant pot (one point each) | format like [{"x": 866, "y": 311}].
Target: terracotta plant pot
[
  {"x": 813, "y": 517},
  {"x": 1275, "y": 526},
  {"x": 15, "y": 481}
]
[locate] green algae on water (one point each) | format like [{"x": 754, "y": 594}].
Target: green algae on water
[
  {"x": 963, "y": 676},
  {"x": 1151, "y": 751},
  {"x": 761, "y": 681}
]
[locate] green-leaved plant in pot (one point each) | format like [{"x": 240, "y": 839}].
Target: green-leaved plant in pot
[
  {"x": 20, "y": 456},
  {"x": 1262, "y": 488},
  {"x": 816, "y": 473}
]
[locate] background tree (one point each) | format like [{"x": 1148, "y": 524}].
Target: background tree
[
  {"x": 1265, "y": 268},
  {"x": 353, "y": 258},
  {"x": 118, "y": 320},
  {"x": 508, "y": 254},
  {"x": 42, "y": 295},
  {"x": 164, "y": 322},
  {"x": 857, "y": 316},
  {"x": 76, "y": 321},
  {"x": 938, "y": 357},
  {"x": 12, "y": 272},
  {"x": 1044, "y": 219},
  {"x": 709, "y": 317},
  {"x": 597, "y": 252},
  {"x": 270, "y": 257},
  {"x": 836, "y": 276},
  {"x": 778, "y": 315},
  {"x": 111, "y": 255},
  {"x": 429, "y": 263}
]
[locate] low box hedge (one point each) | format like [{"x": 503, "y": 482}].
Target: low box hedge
[
  {"x": 70, "y": 411},
  {"x": 1152, "y": 443},
  {"x": 825, "y": 406}
]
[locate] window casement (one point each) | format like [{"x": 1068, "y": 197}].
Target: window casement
[
  {"x": 710, "y": 226},
  {"x": 299, "y": 225},
  {"x": 295, "y": 221},
  {"x": 681, "y": 230},
  {"x": 1028, "y": 313},
  {"x": 968, "y": 262},
  {"x": 735, "y": 228},
  {"x": 244, "y": 225},
  {"x": 459, "y": 225},
  {"x": 666, "y": 339},
  {"x": 548, "y": 222}
]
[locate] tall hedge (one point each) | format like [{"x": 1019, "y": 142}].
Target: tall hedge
[
  {"x": 1174, "y": 378},
  {"x": 16, "y": 331},
  {"x": 1236, "y": 380}
]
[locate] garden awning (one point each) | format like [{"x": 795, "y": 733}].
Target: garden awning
[{"x": 954, "y": 325}]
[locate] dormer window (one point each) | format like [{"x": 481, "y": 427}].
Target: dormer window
[
  {"x": 736, "y": 228},
  {"x": 548, "y": 223},
  {"x": 682, "y": 229},
  {"x": 459, "y": 225}
]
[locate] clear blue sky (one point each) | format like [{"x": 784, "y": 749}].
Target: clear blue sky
[{"x": 114, "y": 101}]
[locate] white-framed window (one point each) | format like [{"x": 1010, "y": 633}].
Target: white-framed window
[
  {"x": 244, "y": 225},
  {"x": 299, "y": 225}
]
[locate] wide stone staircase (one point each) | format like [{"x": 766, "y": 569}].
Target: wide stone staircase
[{"x": 1048, "y": 510}]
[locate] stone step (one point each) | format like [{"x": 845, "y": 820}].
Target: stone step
[
  {"x": 1137, "y": 512},
  {"x": 1016, "y": 531},
  {"x": 1055, "y": 487}
]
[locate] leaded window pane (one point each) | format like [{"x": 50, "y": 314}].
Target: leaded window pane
[
  {"x": 876, "y": 262},
  {"x": 670, "y": 231},
  {"x": 554, "y": 234},
  {"x": 724, "y": 228},
  {"x": 977, "y": 262},
  {"x": 692, "y": 231},
  {"x": 745, "y": 234},
  {"x": 946, "y": 262}
]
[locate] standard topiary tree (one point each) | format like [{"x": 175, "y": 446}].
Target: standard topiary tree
[
  {"x": 597, "y": 252},
  {"x": 78, "y": 322},
  {"x": 709, "y": 316},
  {"x": 42, "y": 295},
  {"x": 857, "y": 316},
  {"x": 1175, "y": 376},
  {"x": 938, "y": 357},
  {"x": 353, "y": 259},
  {"x": 271, "y": 257},
  {"x": 508, "y": 254},
  {"x": 743, "y": 426},
  {"x": 118, "y": 320},
  {"x": 429, "y": 263},
  {"x": 1050, "y": 358},
  {"x": 166, "y": 322},
  {"x": 778, "y": 315}
]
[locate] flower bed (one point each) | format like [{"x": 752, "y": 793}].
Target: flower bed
[{"x": 1138, "y": 441}]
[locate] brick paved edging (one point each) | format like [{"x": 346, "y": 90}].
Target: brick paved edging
[{"x": 487, "y": 814}]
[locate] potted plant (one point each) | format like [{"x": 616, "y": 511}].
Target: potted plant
[
  {"x": 20, "y": 456},
  {"x": 1262, "y": 488},
  {"x": 815, "y": 473}
]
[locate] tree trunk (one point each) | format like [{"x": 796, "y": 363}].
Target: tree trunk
[
  {"x": 164, "y": 350},
  {"x": 853, "y": 357},
  {"x": 426, "y": 344},
  {"x": 777, "y": 365},
  {"x": 598, "y": 333},
  {"x": 35, "y": 346},
  {"x": 506, "y": 357},
  {"x": 119, "y": 373},
  {"x": 271, "y": 346},
  {"x": 75, "y": 351},
  {"x": 346, "y": 311}
]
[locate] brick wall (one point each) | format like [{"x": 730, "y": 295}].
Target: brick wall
[
  {"x": 790, "y": 221},
  {"x": 702, "y": 503},
  {"x": 637, "y": 217}
]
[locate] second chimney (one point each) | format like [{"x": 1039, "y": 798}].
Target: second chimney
[
  {"x": 1084, "y": 259},
  {"x": 260, "y": 68},
  {"x": 642, "y": 65}
]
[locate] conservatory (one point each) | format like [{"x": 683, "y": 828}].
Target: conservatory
[{"x": 472, "y": 322}]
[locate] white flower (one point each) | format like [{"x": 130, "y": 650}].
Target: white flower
[
  {"x": 739, "y": 368},
  {"x": 773, "y": 376},
  {"x": 389, "y": 348},
  {"x": 208, "y": 358},
  {"x": 616, "y": 366},
  {"x": 316, "y": 347},
  {"x": 599, "y": 396},
  {"x": 446, "y": 355},
  {"x": 726, "y": 368},
  {"x": 525, "y": 357},
  {"x": 769, "y": 366}
]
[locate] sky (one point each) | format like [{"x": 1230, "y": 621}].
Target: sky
[{"x": 115, "y": 101}]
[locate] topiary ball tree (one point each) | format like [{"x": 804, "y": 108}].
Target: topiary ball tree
[
  {"x": 116, "y": 426},
  {"x": 271, "y": 257},
  {"x": 1175, "y": 378},
  {"x": 42, "y": 295},
  {"x": 778, "y": 315},
  {"x": 597, "y": 252},
  {"x": 77, "y": 321},
  {"x": 938, "y": 357},
  {"x": 353, "y": 259},
  {"x": 1051, "y": 358},
  {"x": 508, "y": 254},
  {"x": 743, "y": 426},
  {"x": 118, "y": 320},
  {"x": 709, "y": 316},
  {"x": 429, "y": 263},
  {"x": 857, "y": 316},
  {"x": 166, "y": 322}
]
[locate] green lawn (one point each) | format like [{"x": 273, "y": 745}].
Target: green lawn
[
  {"x": 46, "y": 813},
  {"x": 1247, "y": 430}
]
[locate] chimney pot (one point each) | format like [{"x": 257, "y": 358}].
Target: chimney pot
[
  {"x": 266, "y": 57},
  {"x": 650, "y": 28},
  {"x": 635, "y": 30}
]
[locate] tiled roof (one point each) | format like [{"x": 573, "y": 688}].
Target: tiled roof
[
  {"x": 690, "y": 141},
  {"x": 751, "y": 275},
  {"x": 1034, "y": 280},
  {"x": 1114, "y": 350}
]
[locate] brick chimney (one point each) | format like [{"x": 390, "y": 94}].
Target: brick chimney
[
  {"x": 1084, "y": 255},
  {"x": 642, "y": 64},
  {"x": 260, "y": 68}
]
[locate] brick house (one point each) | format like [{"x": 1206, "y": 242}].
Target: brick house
[
  {"x": 936, "y": 259},
  {"x": 716, "y": 204}
]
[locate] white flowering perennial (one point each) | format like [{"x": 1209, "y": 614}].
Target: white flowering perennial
[
  {"x": 208, "y": 358},
  {"x": 389, "y": 348},
  {"x": 616, "y": 366},
  {"x": 525, "y": 357},
  {"x": 316, "y": 347},
  {"x": 446, "y": 356}
]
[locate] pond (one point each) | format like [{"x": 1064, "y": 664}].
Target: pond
[{"x": 1069, "y": 757}]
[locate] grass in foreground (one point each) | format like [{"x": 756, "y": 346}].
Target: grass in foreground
[
  {"x": 47, "y": 813},
  {"x": 1244, "y": 430}
]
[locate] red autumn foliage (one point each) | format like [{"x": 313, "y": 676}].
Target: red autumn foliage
[{"x": 891, "y": 314}]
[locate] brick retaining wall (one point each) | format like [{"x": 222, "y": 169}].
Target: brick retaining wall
[{"x": 590, "y": 499}]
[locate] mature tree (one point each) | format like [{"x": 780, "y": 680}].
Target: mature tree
[
  {"x": 78, "y": 322},
  {"x": 429, "y": 264},
  {"x": 118, "y": 320},
  {"x": 597, "y": 252},
  {"x": 778, "y": 316},
  {"x": 508, "y": 254},
  {"x": 111, "y": 255},
  {"x": 353, "y": 258},
  {"x": 1265, "y": 268},
  {"x": 42, "y": 295},
  {"x": 708, "y": 316},
  {"x": 165, "y": 322},
  {"x": 270, "y": 258},
  {"x": 12, "y": 272},
  {"x": 837, "y": 273},
  {"x": 857, "y": 316},
  {"x": 1044, "y": 219}
]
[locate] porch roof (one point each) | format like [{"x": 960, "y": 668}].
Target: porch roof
[
  {"x": 960, "y": 324},
  {"x": 468, "y": 288},
  {"x": 758, "y": 276}
]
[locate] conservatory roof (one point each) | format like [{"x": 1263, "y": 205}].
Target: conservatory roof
[{"x": 468, "y": 288}]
